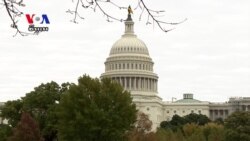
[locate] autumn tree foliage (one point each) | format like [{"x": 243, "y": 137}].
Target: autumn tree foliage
[
  {"x": 142, "y": 130},
  {"x": 192, "y": 127},
  {"x": 26, "y": 130}
]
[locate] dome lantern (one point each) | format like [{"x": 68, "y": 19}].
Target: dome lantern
[{"x": 129, "y": 26}]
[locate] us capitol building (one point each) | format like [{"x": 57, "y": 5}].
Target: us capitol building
[{"x": 130, "y": 64}]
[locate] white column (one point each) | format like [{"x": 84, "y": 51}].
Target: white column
[
  {"x": 125, "y": 82},
  {"x": 150, "y": 84},
  {"x": 121, "y": 81},
  {"x": 134, "y": 83},
  {"x": 143, "y": 86},
  {"x": 130, "y": 83},
  {"x": 139, "y": 83},
  {"x": 154, "y": 85},
  {"x": 156, "y": 81},
  {"x": 147, "y": 84}
]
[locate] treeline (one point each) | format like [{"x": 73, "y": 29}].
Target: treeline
[
  {"x": 92, "y": 110},
  {"x": 196, "y": 127},
  {"x": 100, "y": 110}
]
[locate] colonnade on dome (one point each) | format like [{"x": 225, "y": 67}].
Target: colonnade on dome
[{"x": 135, "y": 83}]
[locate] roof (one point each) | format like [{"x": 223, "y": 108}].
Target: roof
[{"x": 187, "y": 101}]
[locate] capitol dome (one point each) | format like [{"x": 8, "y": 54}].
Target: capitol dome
[
  {"x": 129, "y": 44},
  {"x": 129, "y": 64}
]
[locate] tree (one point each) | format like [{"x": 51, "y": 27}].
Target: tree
[
  {"x": 190, "y": 128},
  {"x": 237, "y": 126},
  {"x": 143, "y": 124},
  {"x": 197, "y": 119},
  {"x": 95, "y": 110},
  {"x": 5, "y": 132},
  {"x": 177, "y": 122},
  {"x": 196, "y": 136},
  {"x": 213, "y": 132},
  {"x": 41, "y": 104},
  {"x": 142, "y": 129},
  {"x": 219, "y": 121},
  {"x": 169, "y": 135},
  {"x": 13, "y": 9},
  {"x": 12, "y": 111},
  {"x": 26, "y": 130}
]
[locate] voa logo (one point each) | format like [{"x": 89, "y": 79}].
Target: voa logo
[{"x": 33, "y": 20}]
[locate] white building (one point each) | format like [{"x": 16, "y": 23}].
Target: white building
[{"x": 130, "y": 64}]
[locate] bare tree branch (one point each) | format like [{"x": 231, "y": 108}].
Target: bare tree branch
[
  {"x": 12, "y": 8},
  {"x": 158, "y": 22},
  {"x": 152, "y": 15}
]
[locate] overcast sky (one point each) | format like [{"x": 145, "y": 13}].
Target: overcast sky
[{"x": 208, "y": 55}]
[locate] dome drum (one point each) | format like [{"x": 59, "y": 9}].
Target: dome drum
[{"x": 136, "y": 83}]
